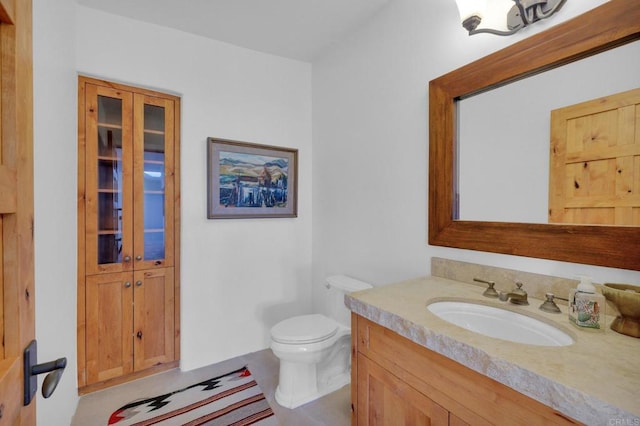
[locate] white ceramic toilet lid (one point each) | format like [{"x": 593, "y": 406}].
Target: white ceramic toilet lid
[{"x": 304, "y": 329}]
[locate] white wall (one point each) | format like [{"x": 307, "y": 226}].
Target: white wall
[
  {"x": 239, "y": 277},
  {"x": 370, "y": 145},
  {"x": 55, "y": 182}
]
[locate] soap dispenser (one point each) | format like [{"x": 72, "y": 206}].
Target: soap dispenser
[{"x": 586, "y": 306}]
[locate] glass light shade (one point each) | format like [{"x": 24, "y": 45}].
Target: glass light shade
[
  {"x": 496, "y": 12},
  {"x": 468, "y": 8}
]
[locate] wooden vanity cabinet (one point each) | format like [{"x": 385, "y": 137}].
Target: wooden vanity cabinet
[
  {"x": 396, "y": 381},
  {"x": 128, "y": 221}
]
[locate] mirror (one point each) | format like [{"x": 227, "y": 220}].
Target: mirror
[
  {"x": 502, "y": 160},
  {"x": 613, "y": 24}
]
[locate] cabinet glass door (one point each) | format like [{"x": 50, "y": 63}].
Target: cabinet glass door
[
  {"x": 109, "y": 180},
  {"x": 153, "y": 171},
  {"x": 108, "y": 158}
]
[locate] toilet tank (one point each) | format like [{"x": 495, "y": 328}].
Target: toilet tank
[{"x": 338, "y": 286}]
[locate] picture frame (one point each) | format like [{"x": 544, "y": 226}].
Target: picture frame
[{"x": 247, "y": 180}]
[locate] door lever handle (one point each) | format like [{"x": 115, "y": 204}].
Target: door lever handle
[{"x": 32, "y": 370}]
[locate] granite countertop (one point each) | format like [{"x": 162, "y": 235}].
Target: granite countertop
[{"x": 596, "y": 380}]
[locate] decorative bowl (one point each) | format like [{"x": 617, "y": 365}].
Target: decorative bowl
[{"x": 626, "y": 298}]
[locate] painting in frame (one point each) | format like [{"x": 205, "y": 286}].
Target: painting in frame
[{"x": 247, "y": 180}]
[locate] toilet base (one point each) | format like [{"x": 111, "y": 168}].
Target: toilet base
[
  {"x": 309, "y": 371},
  {"x": 294, "y": 400}
]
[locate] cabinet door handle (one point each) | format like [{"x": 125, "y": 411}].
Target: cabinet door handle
[
  {"x": 127, "y": 284},
  {"x": 138, "y": 257},
  {"x": 127, "y": 259},
  {"x": 138, "y": 283},
  {"x": 139, "y": 335}
]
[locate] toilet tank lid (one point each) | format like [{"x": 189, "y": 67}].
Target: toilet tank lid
[{"x": 347, "y": 284}]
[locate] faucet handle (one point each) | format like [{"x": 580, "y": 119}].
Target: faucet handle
[
  {"x": 549, "y": 305},
  {"x": 490, "y": 291}
]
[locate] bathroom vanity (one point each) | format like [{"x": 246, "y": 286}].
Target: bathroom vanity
[{"x": 409, "y": 366}]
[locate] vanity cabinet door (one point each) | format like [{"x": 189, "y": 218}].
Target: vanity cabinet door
[
  {"x": 456, "y": 421},
  {"x": 383, "y": 399},
  {"x": 396, "y": 375}
]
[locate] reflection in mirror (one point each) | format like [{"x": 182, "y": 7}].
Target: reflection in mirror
[
  {"x": 613, "y": 24},
  {"x": 504, "y": 135}
]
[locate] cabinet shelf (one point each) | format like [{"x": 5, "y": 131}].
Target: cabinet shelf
[
  {"x": 158, "y": 162},
  {"x": 154, "y": 132},
  {"x": 109, "y": 158},
  {"x": 110, "y": 126},
  {"x": 109, "y": 232}
]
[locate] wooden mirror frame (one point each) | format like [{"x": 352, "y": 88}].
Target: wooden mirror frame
[{"x": 612, "y": 24}]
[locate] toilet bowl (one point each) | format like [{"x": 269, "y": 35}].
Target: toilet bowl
[{"x": 315, "y": 350}]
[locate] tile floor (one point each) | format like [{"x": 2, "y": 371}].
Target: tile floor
[{"x": 331, "y": 410}]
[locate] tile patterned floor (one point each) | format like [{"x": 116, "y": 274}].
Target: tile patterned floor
[{"x": 331, "y": 410}]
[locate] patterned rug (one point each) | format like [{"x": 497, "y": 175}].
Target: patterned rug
[{"x": 231, "y": 399}]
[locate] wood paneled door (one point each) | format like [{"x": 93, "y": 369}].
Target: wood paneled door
[
  {"x": 128, "y": 227},
  {"x": 17, "y": 293},
  {"x": 594, "y": 175}
]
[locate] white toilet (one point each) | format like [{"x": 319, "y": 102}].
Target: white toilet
[{"x": 315, "y": 350}]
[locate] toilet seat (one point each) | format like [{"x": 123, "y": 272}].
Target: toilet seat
[{"x": 304, "y": 329}]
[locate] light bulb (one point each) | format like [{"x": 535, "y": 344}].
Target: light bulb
[{"x": 469, "y": 8}]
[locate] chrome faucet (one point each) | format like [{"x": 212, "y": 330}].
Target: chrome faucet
[{"x": 517, "y": 296}]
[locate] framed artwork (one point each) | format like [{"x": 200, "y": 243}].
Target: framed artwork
[{"x": 246, "y": 180}]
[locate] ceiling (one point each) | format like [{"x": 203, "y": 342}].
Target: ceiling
[{"x": 296, "y": 29}]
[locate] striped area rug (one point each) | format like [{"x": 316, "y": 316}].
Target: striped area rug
[{"x": 231, "y": 399}]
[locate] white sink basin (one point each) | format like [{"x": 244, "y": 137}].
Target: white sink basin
[{"x": 500, "y": 323}]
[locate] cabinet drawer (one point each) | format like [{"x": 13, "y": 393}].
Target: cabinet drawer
[{"x": 470, "y": 396}]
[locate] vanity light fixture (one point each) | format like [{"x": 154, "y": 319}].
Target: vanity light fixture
[{"x": 519, "y": 15}]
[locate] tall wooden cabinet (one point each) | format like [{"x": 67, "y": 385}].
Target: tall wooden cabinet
[{"x": 128, "y": 224}]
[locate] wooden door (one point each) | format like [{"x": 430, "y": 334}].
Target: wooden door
[
  {"x": 108, "y": 179},
  {"x": 109, "y": 325},
  {"x": 383, "y": 399},
  {"x": 153, "y": 318},
  {"x": 594, "y": 173},
  {"x": 17, "y": 310}
]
